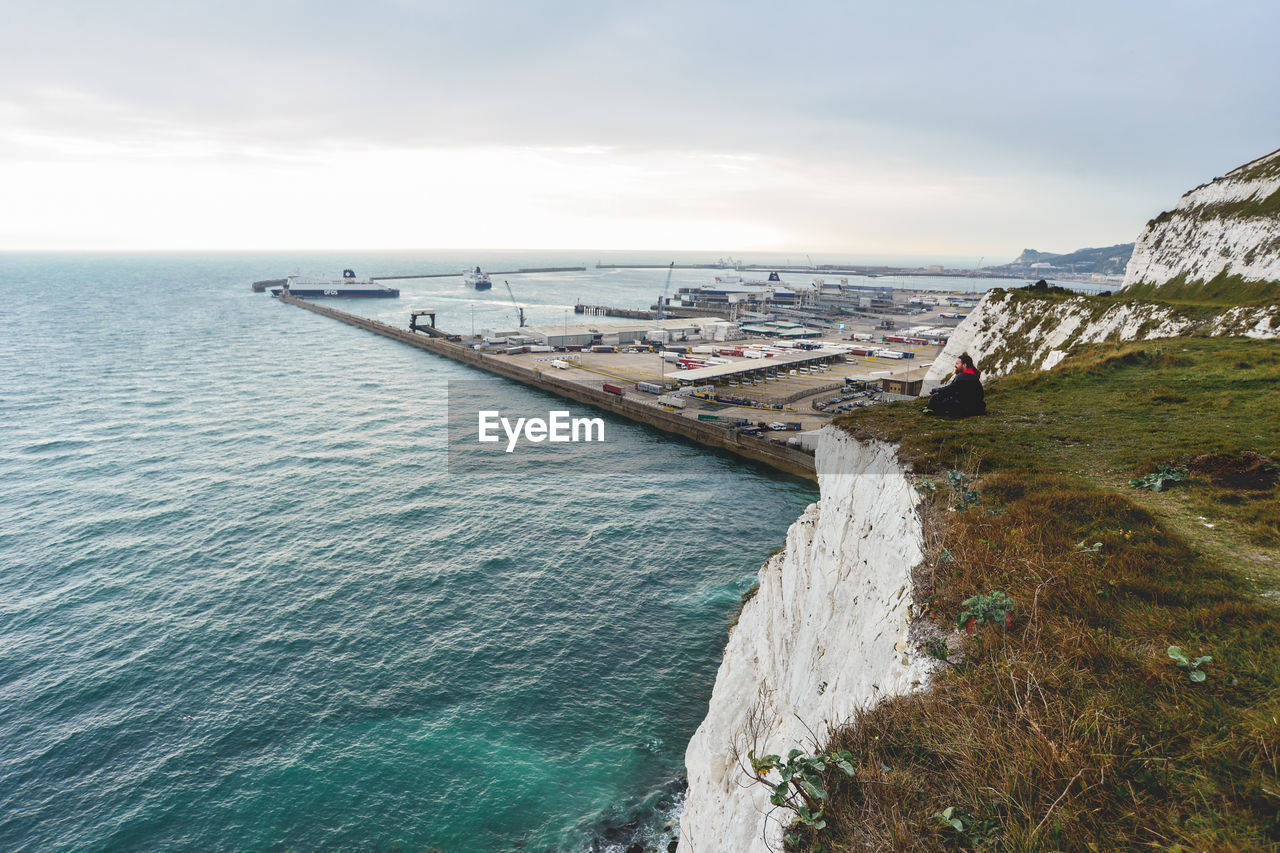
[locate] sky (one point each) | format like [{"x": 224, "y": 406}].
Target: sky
[{"x": 916, "y": 128}]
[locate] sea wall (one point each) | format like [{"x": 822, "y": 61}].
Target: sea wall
[
  {"x": 1010, "y": 332},
  {"x": 712, "y": 434},
  {"x": 825, "y": 634}
]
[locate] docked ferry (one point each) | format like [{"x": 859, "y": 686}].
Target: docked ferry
[{"x": 348, "y": 286}]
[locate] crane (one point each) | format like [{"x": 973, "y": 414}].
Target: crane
[
  {"x": 662, "y": 301},
  {"x": 519, "y": 310}
]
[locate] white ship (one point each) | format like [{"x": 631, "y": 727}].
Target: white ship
[
  {"x": 478, "y": 280},
  {"x": 347, "y": 286}
]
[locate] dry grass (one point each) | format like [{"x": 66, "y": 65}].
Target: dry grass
[{"x": 1074, "y": 730}]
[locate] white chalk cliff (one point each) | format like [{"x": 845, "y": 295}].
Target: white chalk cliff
[
  {"x": 1227, "y": 226},
  {"x": 825, "y": 634},
  {"x": 1008, "y": 332}
]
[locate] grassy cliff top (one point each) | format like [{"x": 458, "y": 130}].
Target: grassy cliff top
[
  {"x": 1074, "y": 728},
  {"x": 1222, "y": 290}
]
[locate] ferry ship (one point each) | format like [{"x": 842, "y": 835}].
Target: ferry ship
[
  {"x": 348, "y": 286},
  {"x": 478, "y": 280}
]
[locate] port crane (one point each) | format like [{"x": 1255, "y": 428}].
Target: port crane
[
  {"x": 519, "y": 310},
  {"x": 662, "y": 300}
]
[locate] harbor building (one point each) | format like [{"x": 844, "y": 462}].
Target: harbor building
[{"x": 624, "y": 333}]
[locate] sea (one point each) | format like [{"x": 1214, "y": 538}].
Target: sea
[{"x": 246, "y": 603}]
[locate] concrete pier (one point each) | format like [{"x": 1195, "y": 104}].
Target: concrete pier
[{"x": 709, "y": 433}]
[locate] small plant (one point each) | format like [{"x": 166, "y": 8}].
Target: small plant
[
  {"x": 937, "y": 648},
  {"x": 945, "y": 557},
  {"x": 994, "y": 607},
  {"x": 1191, "y": 666},
  {"x": 966, "y": 830},
  {"x": 800, "y": 786},
  {"x": 1164, "y": 473},
  {"x": 1095, "y": 548},
  {"x": 965, "y": 496}
]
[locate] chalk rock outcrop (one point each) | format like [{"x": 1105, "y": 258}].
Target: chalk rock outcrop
[
  {"x": 1009, "y": 332},
  {"x": 1220, "y": 244},
  {"x": 1229, "y": 226},
  {"x": 825, "y": 634}
]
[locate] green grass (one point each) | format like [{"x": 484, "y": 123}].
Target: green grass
[
  {"x": 1074, "y": 730},
  {"x": 1222, "y": 290}
]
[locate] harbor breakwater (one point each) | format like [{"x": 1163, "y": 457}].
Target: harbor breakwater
[{"x": 785, "y": 459}]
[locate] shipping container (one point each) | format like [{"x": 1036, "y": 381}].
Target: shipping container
[
  {"x": 708, "y": 417},
  {"x": 649, "y": 387},
  {"x": 539, "y": 348},
  {"x": 612, "y": 389},
  {"x": 753, "y": 353},
  {"x": 515, "y": 350},
  {"x": 729, "y": 351}
]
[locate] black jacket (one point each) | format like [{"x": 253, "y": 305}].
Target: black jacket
[{"x": 961, "y": 396}]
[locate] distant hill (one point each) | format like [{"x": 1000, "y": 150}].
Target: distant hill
[
  {"x": 1221, "y": 243},
  {"x": 1110, "y": 260}
]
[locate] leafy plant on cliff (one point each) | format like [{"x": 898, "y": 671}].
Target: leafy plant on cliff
[
  {"x": 1164, "y": 474},
  {"x": 800, "y": 787},
  {"x": 964, "y": 494},
  {"x": 994, "y": 607},
  {"x": 1191, "y": 666}
]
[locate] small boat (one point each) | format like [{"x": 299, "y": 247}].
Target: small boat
[
  {"x": 478, "y": 280},
  {"x": 346, "y": 287}
]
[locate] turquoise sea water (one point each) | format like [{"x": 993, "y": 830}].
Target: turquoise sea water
[{"x": 244, "y": 606}]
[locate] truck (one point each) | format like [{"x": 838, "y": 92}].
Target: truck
[
  {"x": 649, "y": 387},
  {"x": 612, "y": 389}
]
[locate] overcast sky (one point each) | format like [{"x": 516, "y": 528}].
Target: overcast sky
[{"x": 945, "y": 128}]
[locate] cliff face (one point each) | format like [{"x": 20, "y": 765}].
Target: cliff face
[
  {"x": 825, "y": 634},
  {"x": 1219, "y": 246},
  {"x": 1010, "y": 332},
  {"x": 1228, "y": 228}
]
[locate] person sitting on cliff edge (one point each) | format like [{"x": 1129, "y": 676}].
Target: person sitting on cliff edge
[{"x": 963, "y": 395}]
